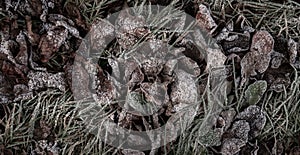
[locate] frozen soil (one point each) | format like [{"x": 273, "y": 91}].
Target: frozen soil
[{"x": 40, "y": 40}]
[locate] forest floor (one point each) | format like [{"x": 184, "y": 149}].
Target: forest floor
[{"x": 220, "y": 76}]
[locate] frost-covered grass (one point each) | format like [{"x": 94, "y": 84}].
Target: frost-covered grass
[
  {"x": 22, "y": 125},
  {"x": 92, "y": 10},
  {"x": 276, "y": 18},
  {"x": 283, "y": 111}
]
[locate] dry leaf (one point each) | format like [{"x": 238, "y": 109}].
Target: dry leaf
[
  {"x": 227, "y": 116},
  {"x": 22, "y": 56},
  {"x": 41, "y": 80},
  {"x": 205, "y": 20},
  {"x": 258, "y": 59},
  {"x": 262, "y": 42},
  {"x": 256, "y": 117},
  {"x": 129, "y": 28},
  {"x": 279, "y": 78},
  {"x": 277, "y": 59},
  {"x": 255, "y": 91},
  {"x": 215, "y": 59},
  {"x": 184, "y": 83},
  {"x": 101, "y": 34},
  {"x": 240, "y": 129},
  {"x": 6, "y": 90},
  {"x": 294, "y": 50},
  {"x": 51, "y": 42},
  {"x": 232, "y": 146},
  {"x": 236, "y": 42}
]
